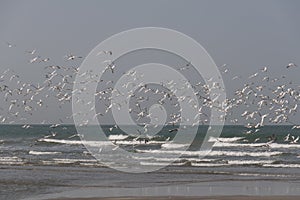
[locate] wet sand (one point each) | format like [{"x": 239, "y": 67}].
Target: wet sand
[{"x": 194, "y": 198}]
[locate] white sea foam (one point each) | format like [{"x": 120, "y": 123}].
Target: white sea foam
[
  {"x": 43, "y": 153},
  {"x": 76, "y": 142},
  {"x": 269, "y": 145},
  {"x": 98, "y": 143},
  {"x": 285, "y": 146},
  {"x": 161, "y": 164},
  {"x": 250, "y": 162},
  {"x": 135, "y": 142},
  {"x": 171, "y": 159},
  {"x": 11, "y": 160},
  {"x": 161, "y": 152},
  {"x": 265, "y": 175},
  {"x": 229, "y": 140},
  {"x": 184, "y": 160},
  {"x": 214, "y": 153},
  {"x": 174, "y": 146},
  {"x": 236, "y": 162},
  {"x": 69, "y": 161},
  {"x": 117, "y": 137},
  {"x": 92, "y": 164},
  {"x": 168, "y": 145},
  {"x": 226, "y": 144},
  {"x": 282, "y": 165},
  {"x": 244, "y": 153},
  {"x": 208, "y": 164}
]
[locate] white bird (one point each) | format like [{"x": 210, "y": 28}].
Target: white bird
[
  {"x": 296, "y": 127},
  {"x": 291, "y": 65},
  {"x": 14, "y": 76},
  {"x": 45, "y": 60},
  {"x": 253, "y": 75},
  {"x": 54, "y": 125},
  {"x": 104, "y": 52},
  {"x": 294, "y": 140},
  {"x": 264, "y": 69},
  {"x": 287, "y": 137},
  {"x": 10, "y": 45},
  {"x": 52, "y": 134},
  {"x": 33, "y": 60},
  {"x": 31, "y": 52},
  {"x": 75, "y": 135},
  {"x": 110, "y": 66},
  {"x": 235, "y": 77},
  {"x": 26, "y": 126},
  {"x": 293, "y": 109},
  {"x": 72, "y": 57},
  {"x": 266, "y": 78}
]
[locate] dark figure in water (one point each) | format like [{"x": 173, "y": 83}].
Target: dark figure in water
[
  {"x": 272, "y": 138},
  {"x": 172, "y": 130}
]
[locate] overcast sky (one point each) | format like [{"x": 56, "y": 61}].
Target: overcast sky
[{"x": 245, "y": 35}]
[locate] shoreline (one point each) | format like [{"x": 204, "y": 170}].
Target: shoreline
[{"x": 191, "y": 198}]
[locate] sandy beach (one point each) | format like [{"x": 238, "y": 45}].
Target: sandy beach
[{"x": 195, "y": 198}]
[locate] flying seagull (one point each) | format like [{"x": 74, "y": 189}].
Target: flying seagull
[{"x": 291, "y": 65}]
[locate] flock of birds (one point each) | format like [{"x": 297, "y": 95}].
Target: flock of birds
[{"x": 262, "y": 100}]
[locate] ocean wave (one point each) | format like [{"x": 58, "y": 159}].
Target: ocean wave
[
  {"x": 197, "y": 164},
  {"x": 233, "y": 163},
  {"x": 117, "y": 137},
  {"x": 208, "y": 164},
  {"x": 276, "y": 145},
  {"x": 43, "y": 153},
  {"x": 228, "y": 140},
  {"x": 11, "y": 160},
  {"x": 245, "y": 153},
  {"x": 136, "y": 142},
  {"x": 69, "y": 161},
  {"x": 76, "y": 142},
  {"x": 164, "y": 164},
  {"x": 282, "y": 165},
  {"x": 174, "y": 146},
  {"x": 269, "y": 145},
  {"x": 214, "y": 153},
  {"x": 166, "y": 159},
  {"x": 226, "y": 144},
  {"x": 250, "y": 162}
]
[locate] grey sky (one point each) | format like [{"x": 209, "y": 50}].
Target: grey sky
[{"x": 243, "y": 34}]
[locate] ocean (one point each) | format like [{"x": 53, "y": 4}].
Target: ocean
[{"x": 43, "y": 163}]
